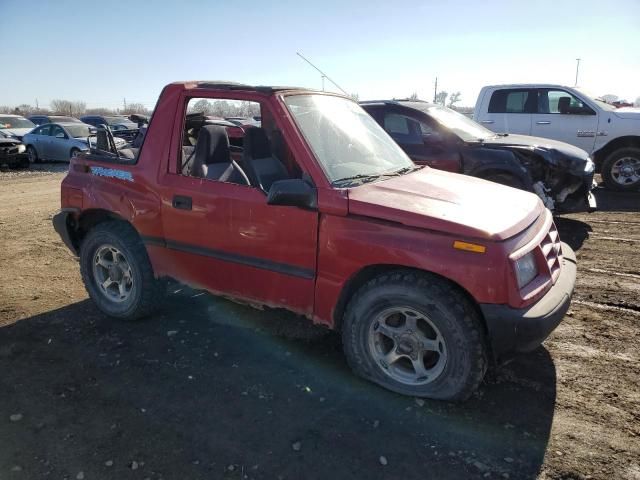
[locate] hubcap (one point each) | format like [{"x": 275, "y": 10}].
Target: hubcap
[
  {"x": 626, "y": 171},
  {"x": 112, "y": 273},
  {"x": 407, "y": 345}
]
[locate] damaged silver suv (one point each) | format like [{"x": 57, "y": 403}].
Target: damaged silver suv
[{"x": 559, "y": 173}]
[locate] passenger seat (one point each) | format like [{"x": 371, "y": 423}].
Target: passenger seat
[{"x": 212, "y": 159}]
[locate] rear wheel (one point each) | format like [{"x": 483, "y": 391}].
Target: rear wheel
[
  {"x": 417, "y": 335},
  {"x": 117, "y": 272},
  {"x": 32, "y": 154},
  {"x": 621, "y": 170}
]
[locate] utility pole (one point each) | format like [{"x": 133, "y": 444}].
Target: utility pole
[
  {"x": 577, "y": 69},
  {"x": 37, "y": 107},
  {"x": 435, "y": 91},
  {"x": 324, "y": 75},
  {"x": 125, "y": 103}
]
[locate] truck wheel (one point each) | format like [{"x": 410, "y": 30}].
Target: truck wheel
[
  {"x": 621, "y": 170},
  {"x": 33, "y": 154},
  {"x": 117, "y": 273},
  {"x": 415, "y": 334}
]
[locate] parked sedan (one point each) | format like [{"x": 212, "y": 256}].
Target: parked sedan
[
  {"x": 15, "y": 125},
  {"x": 59, "y": 141},
  {"x": 559, "y": 173}
]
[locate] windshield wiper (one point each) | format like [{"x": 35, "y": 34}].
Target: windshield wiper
[
  {"x": 371, "y": 177},
  {"x": 359, "y": 176}
]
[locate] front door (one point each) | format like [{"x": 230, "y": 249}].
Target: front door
[
  {"x": 564, "y": 117},
  {"x": 224, "y": 236},
  {"x": 58, "y": 144},
  {"x": 425, "y": 143}
]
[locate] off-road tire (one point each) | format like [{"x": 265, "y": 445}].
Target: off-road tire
[
  {"x": 608, "y": 164},
  {"x": 446, "y": 307},
  {"x": 146, "y": 293}
]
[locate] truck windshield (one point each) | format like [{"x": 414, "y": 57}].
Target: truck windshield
[
  {"x": 465, "y": 128},
  {"x": 350, "y": 146}
]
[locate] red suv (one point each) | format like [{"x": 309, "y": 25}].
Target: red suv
[{"x": 429, "y": 275}]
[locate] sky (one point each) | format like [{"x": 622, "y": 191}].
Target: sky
[{"x": 105, "y": 52}]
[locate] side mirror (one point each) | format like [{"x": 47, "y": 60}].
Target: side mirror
[{"x": 293, "y": 192}]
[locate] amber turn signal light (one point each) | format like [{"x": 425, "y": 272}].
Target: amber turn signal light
[{"x": 469, "y": 247}]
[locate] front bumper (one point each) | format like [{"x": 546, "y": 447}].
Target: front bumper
[
  {"x": 512, "y": 330},
  {"x": 12, "y": 159}
]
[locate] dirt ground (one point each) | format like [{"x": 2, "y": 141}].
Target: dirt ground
[{"x": 210, "y": 389}]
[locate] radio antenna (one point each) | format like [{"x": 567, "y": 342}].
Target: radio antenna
[{"x": 324, "y": 75}]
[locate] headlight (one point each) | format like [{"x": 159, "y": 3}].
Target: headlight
[
  {"x": 589, "y": 166},
  {"x": 526, "y": 269},
  {"x": 21, "y": 148}
]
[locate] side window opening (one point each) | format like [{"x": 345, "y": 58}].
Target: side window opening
[
  {"x": 512, "y": 101},
  {"x": 561, "y": 102},
  {"x": 223, "y": 141},
  {"x": 402, "y": 128}
]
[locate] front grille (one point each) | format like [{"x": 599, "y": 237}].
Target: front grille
[{"x": 552, "y": 252}]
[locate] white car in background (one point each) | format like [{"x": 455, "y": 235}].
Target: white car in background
[
  {"x": 15, "y": 125},
  {"x": 611, "y": 135}
]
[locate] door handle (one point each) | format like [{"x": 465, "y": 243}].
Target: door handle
[
  {"x": 181, "y": 202},
  {"x": 543, "y": 122},
  {"x": 486, "y": 121}
]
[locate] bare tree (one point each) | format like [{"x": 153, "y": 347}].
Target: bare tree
[
  {"x": 202, "y": 106},
  {"x": 441, "y": 97},
  {"x": 355, "y": 97},
  {"x": 454, "y": 98},
  {"x": 67, "y": 107},
  {"x": 135, "y": 108},
  {"x": 99, "y": 111},
  {"x": 413, "y": 96}
]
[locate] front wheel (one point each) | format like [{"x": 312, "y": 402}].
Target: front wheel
[
  {"x": 74, "y": 152},
  {"x": 621, "y": 170},
  {"x": 504, "y": 178},
  {"x": 117, "y": 273},
  {"x": 32, "y": 154},
  {"x": 417, "y": 335}
]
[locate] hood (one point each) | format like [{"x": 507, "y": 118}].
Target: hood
[
  {"x": 447, "y": 202},
  {"x": 628, "y": 112},
  {"x": 18, "y": 132},
  {"x": 559, "y": 154},
  {"x": 9, "y": 141},
  {"x": 537, "y": 143}
]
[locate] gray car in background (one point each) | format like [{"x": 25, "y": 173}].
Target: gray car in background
[{"x": 59, "y": 141}]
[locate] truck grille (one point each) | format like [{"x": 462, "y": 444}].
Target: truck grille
[{"x": 552, "y": 252}]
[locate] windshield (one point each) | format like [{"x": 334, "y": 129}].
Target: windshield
[
  {"x": 345, "y": 139},
  {"x": 77, "y": 131},
  {"x": 601, "y": 103},
  {"x": 465, "y": 128},
  {"x": 120, "y": 121},
  {"x": 16, "y": 122}
]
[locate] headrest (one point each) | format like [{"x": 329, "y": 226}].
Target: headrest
[
  {"x": 256, "y": 143},
  {"x": 212, "y": 145}
]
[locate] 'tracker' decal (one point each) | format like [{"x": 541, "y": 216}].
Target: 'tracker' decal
[{"x": 111, "y": 173}]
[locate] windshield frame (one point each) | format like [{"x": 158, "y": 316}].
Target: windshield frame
[{"x": 405, "y": 165}]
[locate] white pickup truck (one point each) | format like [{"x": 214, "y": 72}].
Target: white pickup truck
[{"x": 611, "y": 135}]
